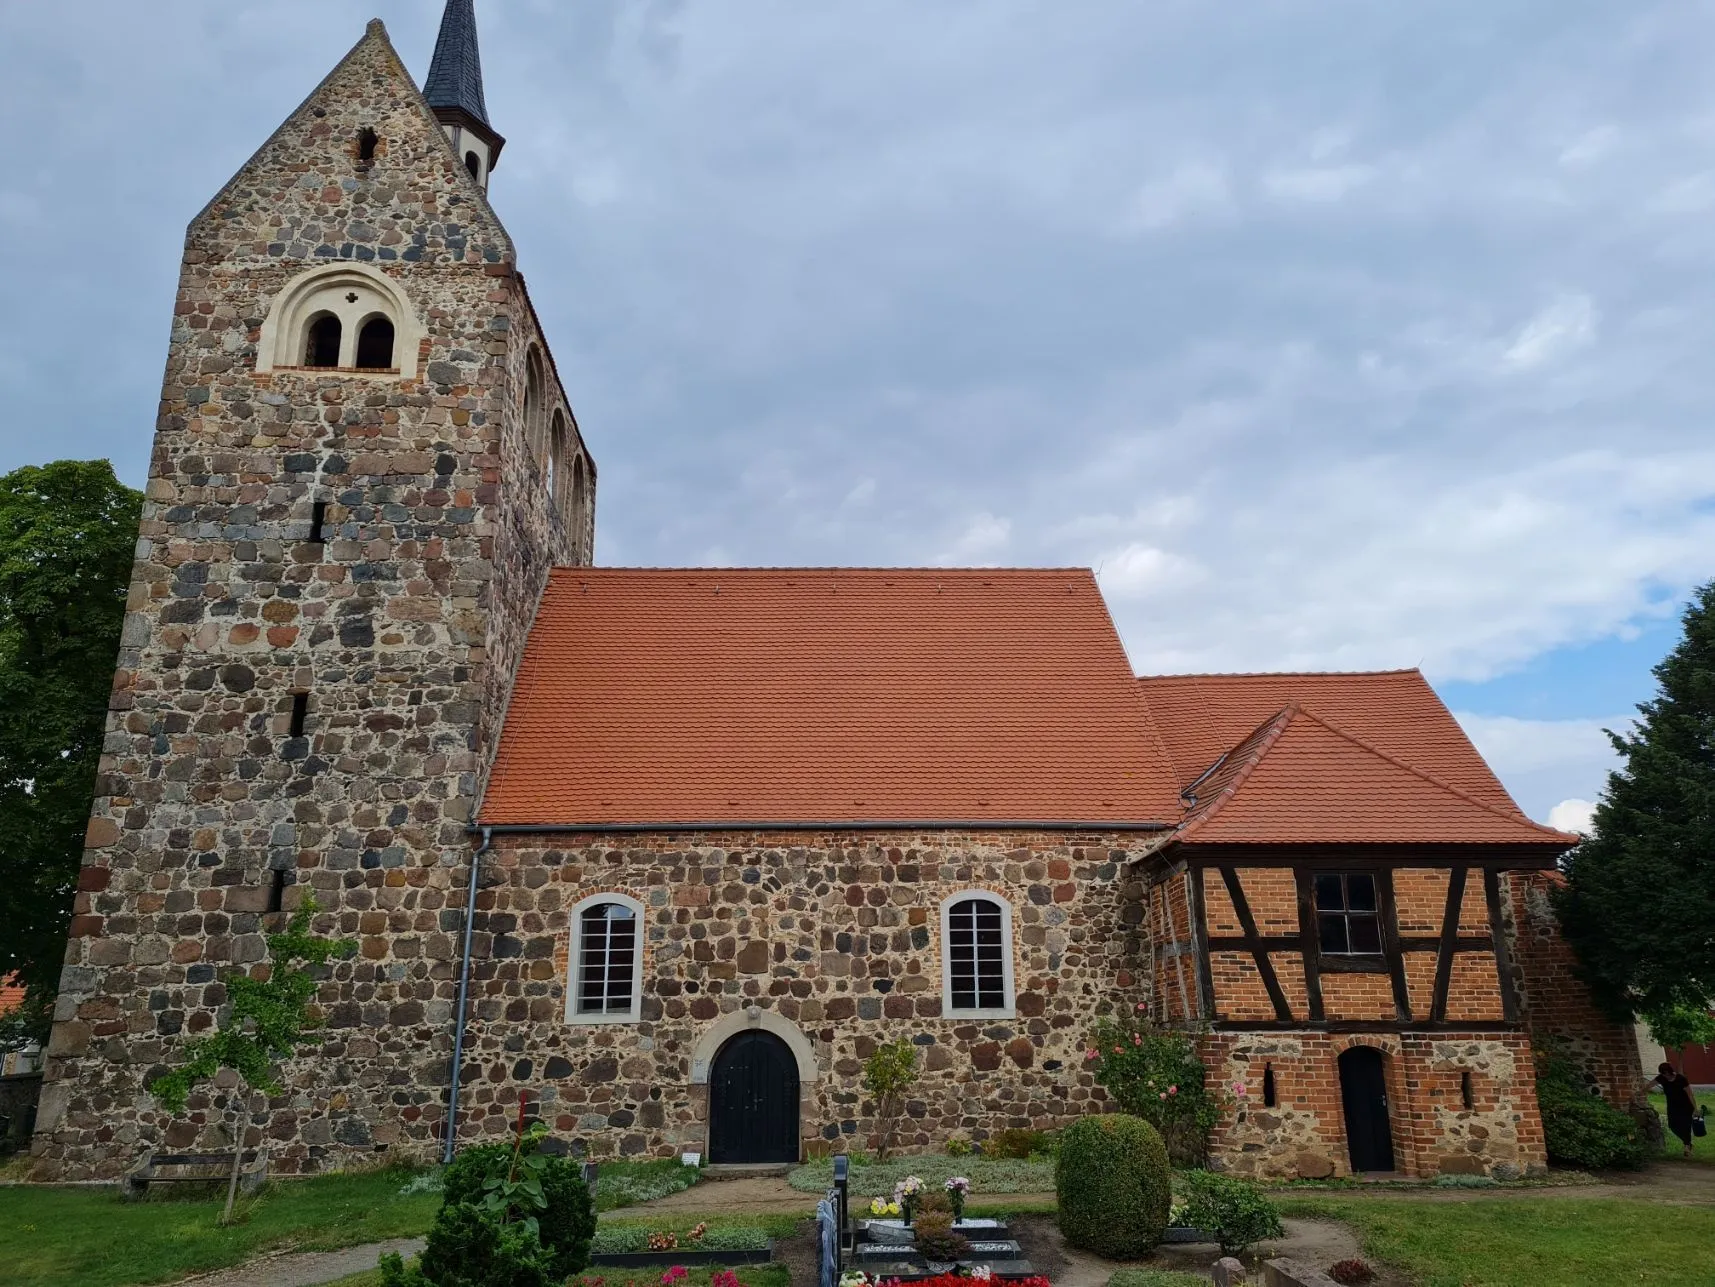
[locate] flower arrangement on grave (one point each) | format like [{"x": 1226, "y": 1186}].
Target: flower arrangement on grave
[
  {"x": 882, "y": 1207},
  {"x": 958, "y": 1189},
  {"x": 906, "y": 1193},
  {"x": 937, "y": 1241}
]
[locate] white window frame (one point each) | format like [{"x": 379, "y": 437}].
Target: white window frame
[
  {"x": 573, "y": 1015},
  {"x": 326, "y": 289},
  {"x": 948, "y": 1010}
]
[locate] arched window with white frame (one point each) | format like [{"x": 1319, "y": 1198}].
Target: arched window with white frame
[
  {"x": 606, "y": 983},
  {"x": 349, "y": 317},
  {"x": 976, "y": 955}
]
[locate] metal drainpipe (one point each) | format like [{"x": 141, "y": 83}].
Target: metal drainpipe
[{"x": 464, "y": 994}]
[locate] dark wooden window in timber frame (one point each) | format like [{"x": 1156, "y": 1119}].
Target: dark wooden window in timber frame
[
  {"x": 1348, "y": 914},
  {"x": 607, "y": 959},
  {"x": 753, "y": 1101},
  {"x": 1363, "y": 1096},
  {"x": 976, "y": 955}
]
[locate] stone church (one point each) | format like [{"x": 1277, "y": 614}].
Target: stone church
[{"x": 672, "y": 851}]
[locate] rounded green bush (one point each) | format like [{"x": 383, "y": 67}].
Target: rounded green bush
[
  {"x": 1113, "y": 1185},
  {"x": 566, "y": 1226}
]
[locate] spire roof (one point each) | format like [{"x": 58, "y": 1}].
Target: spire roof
[{"x": 455, "y": 75}]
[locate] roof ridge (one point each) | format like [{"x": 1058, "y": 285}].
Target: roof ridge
[
  {"x": 1279, "y": 674},
  {"x": 577, "y": 569},
  {"x": 1275, "y": 725},
  {"x": 1430, "y": 778}
]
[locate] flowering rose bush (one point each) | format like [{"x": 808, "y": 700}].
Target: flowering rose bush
[{"x": 1154, "y": 1073}]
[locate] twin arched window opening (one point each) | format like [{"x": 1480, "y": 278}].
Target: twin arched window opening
[
  {"x": 607, "y": 960},
  {"x": 374, "y": 350},
  {"x": 344, "y": 317}
]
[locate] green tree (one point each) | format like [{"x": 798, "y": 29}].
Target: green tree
[
  {"x": 887, "y": 1075},
  {"x": 266, "y": 1020},
  {"x": 68, "y": 532},
  {"x": 1639, "y": 897}
]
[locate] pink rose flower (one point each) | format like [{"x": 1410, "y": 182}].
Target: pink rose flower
[{"x": 1173, "y": 1090}]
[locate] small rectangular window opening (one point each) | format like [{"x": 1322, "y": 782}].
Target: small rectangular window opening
[
  {"x": 1348, "y": 918},
  {"x": 1268, "y": 1086},
  {"x": 276, "y": 889},
  {"x": 366, "y": 142},
  {"x": 300, "y": 711},
  {"x": 318, "y": 523},
  {"x": 1465, "y": 1096}
]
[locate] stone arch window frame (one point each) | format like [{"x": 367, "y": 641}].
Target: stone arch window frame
[
  {"x": 558, "y": 479},
  {"x": 533, "y": 408},
  {"x": 375, "y": 315},
  {"x": 323, "y": 290},
  {"x": 1009, "y": 969},
  {"x": 574, "y": 959},
  {"x": 577, "y": 508}
]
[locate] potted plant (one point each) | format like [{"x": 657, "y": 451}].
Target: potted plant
[
  {"x": 906, "y": 1194},
  {"x": 958, "y": 1189}
]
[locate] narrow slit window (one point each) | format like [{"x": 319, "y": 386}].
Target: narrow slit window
[
  {"x": 300, "y": 712},
  {"x": 976, "y": 954},
  {"x": 607, "y": 957},
  {"x": 321, "y": 349},
  {"x": 473, "y": 163},
  {"x": 276, "y": 889},
  {"x": 375, "y": 345},
  {"x": 1348, "y": 919},
  {"x": 1465, "y": 1096},
  {"x": 318, "y": 522},
  {"x": 1268, "y": 1094},
  {"x": 367, "y": 140}
]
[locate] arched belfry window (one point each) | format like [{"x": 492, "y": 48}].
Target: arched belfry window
[
  {"x": 606, "y": 983},
  {"x": 556, "y": 478},
  {"x": 352, "y": 317},
  {"x": 473, "y": 163},
  {"x": 578, "y": 512},
  {"x": 535, "y": 412},
  {"x": 375, "y": 345},
  {"x": 976, "y": 955},
  {"x": 322, "y": 340}
]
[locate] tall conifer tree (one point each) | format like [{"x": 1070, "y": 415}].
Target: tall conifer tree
[{"x": 1639, "y": 902}]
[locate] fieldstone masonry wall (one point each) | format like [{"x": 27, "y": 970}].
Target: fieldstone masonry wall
[
  {"x": 402, "y": 628},
  {"x": 838, "y": 935}
]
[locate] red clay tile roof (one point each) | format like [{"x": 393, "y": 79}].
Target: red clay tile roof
[
  {"x": 845, "y": 695},
  {"x": 1299, "y": 779},
  {"x": 11, "y": 994},
  {"x": 1200, "y": 717}
]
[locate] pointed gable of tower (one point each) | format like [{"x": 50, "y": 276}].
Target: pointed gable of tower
[{"x": 361, "y": 171}]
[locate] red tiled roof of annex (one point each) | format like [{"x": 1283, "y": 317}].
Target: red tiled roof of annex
[
  {"x": 837, "y": 695},
  {"x": 11, "y": 994},
  {"x": 1299, "y": 779}
]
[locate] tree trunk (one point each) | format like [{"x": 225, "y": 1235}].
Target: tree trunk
[{"x": 238, "y": 1133}]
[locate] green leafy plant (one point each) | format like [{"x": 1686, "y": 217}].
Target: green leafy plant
[
  {"x": 1675, "y": 1026},
  {"x": 1113, "y": 1185},
  {"x": 469, "y": 1246},
  {"x": 887, "y": 1075},
  {"x": 1233, "y": 1210},
  {"x": 564, "y": 1220},
  {"x": 1581, "y": 1129},
  {"x": 1018, "y": 1142},
  {"x": 267, "y": 1020},
  {"x": 958, "y": 1146},
  {"x": 1154, "y": 1073}
]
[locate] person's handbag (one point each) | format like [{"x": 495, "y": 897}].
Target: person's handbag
[{"x": 1698, "y": 1125}]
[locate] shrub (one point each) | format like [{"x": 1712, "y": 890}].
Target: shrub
[
  {"x": 958, "y": 1146},
  {"x": 1581, "y": 1129},
  {"x": 1113, "y": 1185},
  {"x": 1154, "y": 1073},
  {"x": 887, "y": 1075},
  {"x": 1017, "y": 1142},
  {"x": 469, "y": 1247},
  {"x": 1353, "y": 1272},
  {"x": 565, "y": 1224},
  {"x": 1233, "y": 1210},
  {"x": 936, "y": 1240}
]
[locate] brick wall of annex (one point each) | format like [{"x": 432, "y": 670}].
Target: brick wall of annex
[
  {"x": 1558, "y": 1006},
  {"x": 402, "y": 628},
  {"x": 838, "y": 935}
]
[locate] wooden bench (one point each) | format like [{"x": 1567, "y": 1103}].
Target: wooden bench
[{"x": 195, "y": 1168}]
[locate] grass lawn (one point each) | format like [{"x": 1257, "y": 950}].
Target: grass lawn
[
  {"x": 988, "y": 1176},
  {"x": 1528, "y": 1242},
  {"x": 625, "y": 1184},
  {"x": 772, "y": 1275},
  {"x": 1156, "y": 1278},
  {"x": 1702, "y": 1150},
  {"x": 89, "y": 1238}
]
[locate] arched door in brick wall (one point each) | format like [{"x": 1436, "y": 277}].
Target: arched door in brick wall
[
  {"x": 1363, "y": 1093},
  {"x": 753, "y": 1100}
]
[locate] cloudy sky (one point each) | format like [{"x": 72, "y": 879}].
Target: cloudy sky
[{"x": 1334, "y": 334}]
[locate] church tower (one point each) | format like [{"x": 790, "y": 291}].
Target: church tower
[{"x": 364, "y": 466}]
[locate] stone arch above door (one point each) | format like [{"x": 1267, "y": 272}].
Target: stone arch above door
[{"x": 752, "y": 1017}]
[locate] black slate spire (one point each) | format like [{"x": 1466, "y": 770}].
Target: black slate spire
[{"x": 455, "y": 75}]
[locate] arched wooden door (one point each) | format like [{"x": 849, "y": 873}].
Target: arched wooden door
[
  {"x": 1363, "y": 1092},
  {"x": 753, "y": 1101}
]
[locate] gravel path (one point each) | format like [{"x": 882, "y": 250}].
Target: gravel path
[{"x": 306, "y": 1268}]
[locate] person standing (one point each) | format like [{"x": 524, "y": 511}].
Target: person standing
[{"x": 1681, "y": 1104}]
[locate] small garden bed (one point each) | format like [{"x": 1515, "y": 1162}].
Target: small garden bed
[
  {"x": 987, "y": 1175},
  {"x": 638, "y": 1246}
]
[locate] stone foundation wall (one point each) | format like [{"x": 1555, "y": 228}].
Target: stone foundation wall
[
  {"x": 1304, "y": 1133},
  {"x": 831, "y": 939}
]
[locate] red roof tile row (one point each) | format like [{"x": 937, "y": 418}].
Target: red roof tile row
[{"x": 11, "y": 994}]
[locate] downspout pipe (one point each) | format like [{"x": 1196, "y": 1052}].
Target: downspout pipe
[{"x": 464, "y": 996}]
